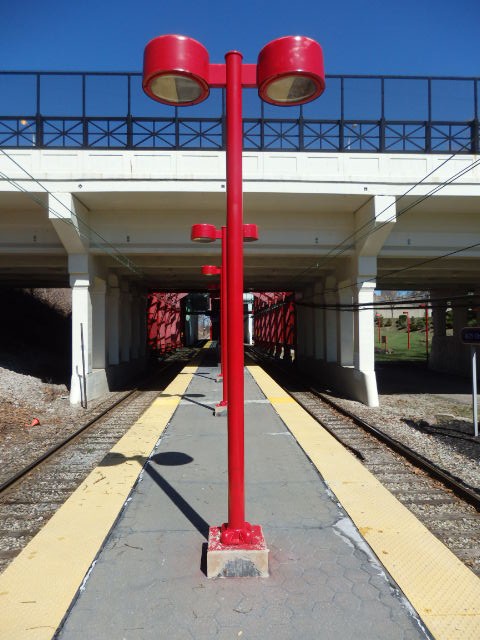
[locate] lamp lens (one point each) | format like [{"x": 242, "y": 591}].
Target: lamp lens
[
  {"x": 176, "y": 89},
  {"x": 291, "y": 89}
]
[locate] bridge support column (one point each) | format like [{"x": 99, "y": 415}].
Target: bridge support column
[
  {"x": 364, "y": 379},
  {"x": 300, "y": 338},
  {"x": 136, "y": 310},
  {"x": 439, "y": 356},
  {"x": 88, "y": 379},
  {"x": 331, "y": 328},
  {"x": 113, "y": 314},
  {"x": 460, "y": 361},
  {"x": 99, "y": 321},
  {"x": 125, "y": 322},
  {"x": 345, "y": 324},
  {"x": 319, "y": 321}
]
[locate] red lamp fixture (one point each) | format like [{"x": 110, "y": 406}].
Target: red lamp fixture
[
  {"x": 211, "y": 270},
  {"x": 290, "y": 71},
  {"x": 204, "y": 233},
  {"x": 177, "y": 71}
]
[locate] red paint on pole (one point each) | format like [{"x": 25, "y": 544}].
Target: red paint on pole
[
  {"x": 237, "y": 530},
  {"x": 223, "y": 318}
]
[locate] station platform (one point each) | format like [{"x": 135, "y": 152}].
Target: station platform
[{"x": 125, "y": 556}]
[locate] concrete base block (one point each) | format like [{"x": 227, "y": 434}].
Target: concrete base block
[
  {"x": 220, "y": 410},
  {"x": 237, "y": 561}
]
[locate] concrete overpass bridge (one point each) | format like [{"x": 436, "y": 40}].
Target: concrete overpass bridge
[{"x": 345, "y": 205}]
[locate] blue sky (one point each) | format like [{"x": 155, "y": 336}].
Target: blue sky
[{"x": 412, "y": 37}]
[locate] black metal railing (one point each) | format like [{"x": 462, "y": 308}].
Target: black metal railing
[{"x": 394, "y": 114}]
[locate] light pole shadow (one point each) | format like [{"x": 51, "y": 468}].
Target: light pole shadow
[{"x": 169, "y": 459}]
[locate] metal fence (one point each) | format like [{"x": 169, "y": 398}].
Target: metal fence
[{"x": 394, "y": 114}]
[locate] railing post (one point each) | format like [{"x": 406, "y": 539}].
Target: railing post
[
  {"x": 129, "y": 131},
  {"x": 475, "y": 133},
  {"x": 38, "y": 117},
  {"x": 341, "y": 127},
  {"x": 381, "y": 130},
  {"x": 428, "y": 137},
  {"x": 84, "y": 113},
  {"x": 262, "y": 126},
  {"x": 381, "y": 136},
  {"x": 129, "y": 114},
  {"x": 177, "y": 130},
  {"x": 428, "y": 124},
  {"x": 38, "y": 130},
  {"x": 301, "y": 140}
]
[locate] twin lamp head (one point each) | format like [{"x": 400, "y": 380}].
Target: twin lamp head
[{"x": 177, "y": 71}]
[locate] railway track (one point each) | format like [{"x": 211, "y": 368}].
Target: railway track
[
  {"x": 31, "y": 495},
  {"x": 443, "y": 504}
]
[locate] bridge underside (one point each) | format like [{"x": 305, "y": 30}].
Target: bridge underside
[{"x": 333, "y": 228}]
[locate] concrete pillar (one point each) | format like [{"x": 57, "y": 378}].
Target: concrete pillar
[
  {"x": 364, "y": 343},
  {"x": 309, "y": 324},
  {"x": 113, "y": 319},
  {"x": 439, "y": 320},
  {"x": 98, "y": 301},
  {"x": 460, "y": 316},
  {"x": 135, "y": 350},
  {"x": 88, "y": 379},
  {"x": 319, "y": 321},
  {"x": 250, "y": 322},
  {"x": 301, "y": 323},
  {"x": 81, "y": 337},
  {"x": 125, "y": 322},
  {"x": 143, "y": 325},
  {"x": 364, "y": 379},
  {"x": 331, "y": 329},
  {"x": 345, "y": 324},
  {"x": 441, "y": 344}
]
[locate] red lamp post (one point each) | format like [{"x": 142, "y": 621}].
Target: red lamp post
[
  {"x": 206, "y": 233},
  {"x": 289, "y": 71},
  {"x": 210, "y": 270}
]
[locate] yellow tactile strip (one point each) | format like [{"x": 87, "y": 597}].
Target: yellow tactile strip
[
  {"x": 38, "y": 587},
  {"x": 442, "y": 590}
]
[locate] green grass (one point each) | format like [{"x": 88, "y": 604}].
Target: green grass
[{"x": 397, "y": 345}]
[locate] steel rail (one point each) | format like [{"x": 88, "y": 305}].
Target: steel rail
[
  {"x": 467, "y": 493},
  {"x": 63, "y": 443}
]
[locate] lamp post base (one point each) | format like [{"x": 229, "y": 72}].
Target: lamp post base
[
  {"x": 237, "y": 560},
  {"x": 221, "y": 409}
]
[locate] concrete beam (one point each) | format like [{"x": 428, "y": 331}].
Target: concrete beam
[
  {"x": 373, "y": 224},
  {"x": 70, "y": 220}
]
